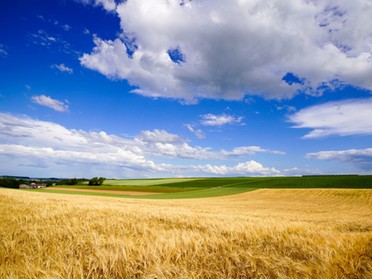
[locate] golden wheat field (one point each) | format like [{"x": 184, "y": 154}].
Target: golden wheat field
[{"x": 260, "y": 234}]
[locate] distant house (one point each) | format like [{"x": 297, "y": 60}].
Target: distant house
[
  {"x": 37, "y": 185},
  {"x": 24, "y": 186}
]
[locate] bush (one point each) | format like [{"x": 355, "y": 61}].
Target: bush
[{"x": 70, "y": 181}]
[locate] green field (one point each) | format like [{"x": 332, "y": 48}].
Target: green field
[
  {"x": 332, "y": 181},
  {"x": 184, "y": 188},
  {"x": 145, "y": 182}
]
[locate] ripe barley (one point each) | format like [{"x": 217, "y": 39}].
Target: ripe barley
[{"x": 260, "y": 234}]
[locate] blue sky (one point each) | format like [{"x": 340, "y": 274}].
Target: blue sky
[{"x": 185, "y": 88}]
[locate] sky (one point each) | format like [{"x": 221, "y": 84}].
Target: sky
[{"x": 181, "y": 88}]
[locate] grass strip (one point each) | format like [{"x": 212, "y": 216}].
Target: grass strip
[{"x": 204, "y": 193}]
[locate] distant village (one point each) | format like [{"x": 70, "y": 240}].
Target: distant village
[
  {"x": 32, "y": 186},
  {"x": 24, "y": 182}
]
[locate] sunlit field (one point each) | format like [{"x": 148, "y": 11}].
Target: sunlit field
[{"x": 266, "y": 233}]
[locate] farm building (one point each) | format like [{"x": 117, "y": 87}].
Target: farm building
[{"x": 32, "y": 186}]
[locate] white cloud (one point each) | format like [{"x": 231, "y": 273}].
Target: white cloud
[
  {"x": 121, "y": 158},
  {"x": 44, "y": 39},
  {"x": 252, "y": 168},
  {"x": 33, "y": 143},
  {"x": 184, "y": 151},
  {"x": 360, "y": 157},
  {"x": 160, "y": 136},
  {"x": 197, "y": 132},
  {"x": 219, "y": 120},
  {"x": 286, "y": 108},
  {"x": 342, "y": 118},
  {"x": 250, "y": 150},
  {"x": 162, "y": 143},
  {"x": 108, "y": 5},
  {"x": 25, "y": 137},
  {"x": 231, "y": 50},
  {"x": 62, "y": 68},
  {"x": 49, "y": 102}
]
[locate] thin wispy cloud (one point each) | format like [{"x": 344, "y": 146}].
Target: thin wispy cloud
[
  {"x": 3, "y": 51},
  {"x": 251, "y": 150},
  {"x": 108, "y": 5},
  {"x": 341, "y": 118},
  {"x": 66, "y": 27},
  {"x": 47, "y": 40},
  {"x": 42, "y": 38},
  {"x": 62, "y": 68},
  {"x": 219, "y": 120},
  {"x": 197, "y": 132},
  {"x": 49, "y": 102},
  {"x": 362, "y": 158}
]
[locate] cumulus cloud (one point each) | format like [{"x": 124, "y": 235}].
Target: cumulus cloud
[
  {"x": 162, "y": 143},
  {"x": 62, "y": 68},
  {"x": 24, "y": 140},
  {"x": 121, "y": 158},
  {"x": 219, "y": 120},
  {"x": 341, "y": 118},
  {"x": 252, "y": 168},
  {"x": 160, "y": 136},
  {"x": 25, "y": 137},
  {"x": 236, "y": 49},
  {"x": 49, "y": 102},
  {"x": 362, "y": 158}
]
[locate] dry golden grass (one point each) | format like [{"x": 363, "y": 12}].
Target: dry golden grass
[{"x": 260, "y": 234}]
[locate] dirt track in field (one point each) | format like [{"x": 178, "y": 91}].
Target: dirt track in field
[{"x": 129, "y": 193}]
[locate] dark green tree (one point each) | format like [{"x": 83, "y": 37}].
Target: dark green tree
[
  {"x": 9, "y": 183},
  {"x": 95, "y": 181},
  {"x": 69, "y": 181},
  {"x": 101, "y": 180}
]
